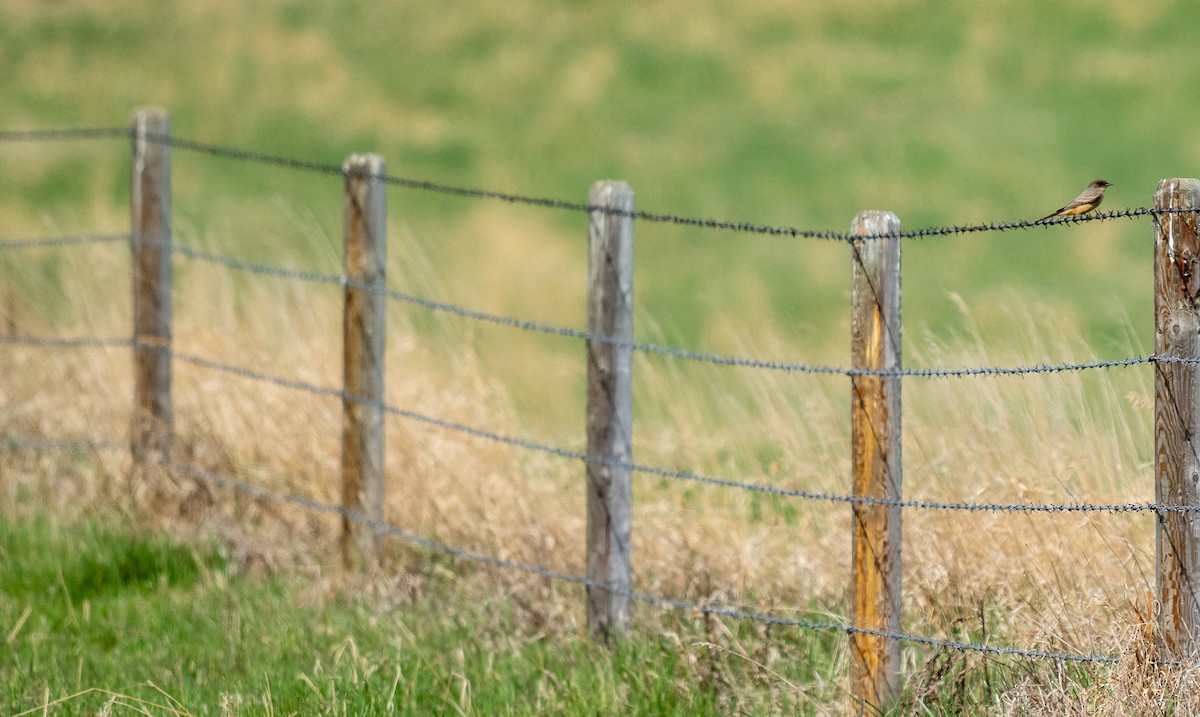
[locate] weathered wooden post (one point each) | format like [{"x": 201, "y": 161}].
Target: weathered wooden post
[
  {"x": 150, "y": 239},
  {"x": 1176, "y": 409},
  {"x": 609, "y": 408},
  {"x": 365, "y": 220},
  {"x": 875, "y": 417}
]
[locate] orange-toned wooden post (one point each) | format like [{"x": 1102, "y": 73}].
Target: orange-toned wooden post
[{"x": 875, "y": 417}]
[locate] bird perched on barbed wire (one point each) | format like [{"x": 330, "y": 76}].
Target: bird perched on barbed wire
[{"x": 1084, "y": 203}]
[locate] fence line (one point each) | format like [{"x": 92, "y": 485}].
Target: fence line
[
  {"x": 1171, "y": 506},
  {"x": 680, "y": 605},
  {"x": 565, "y": 204}
]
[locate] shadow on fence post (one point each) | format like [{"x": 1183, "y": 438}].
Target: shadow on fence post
[
  {"x": 875, "y": 417},
  {"x": 609, "y": 409},
  {"x": 150, "y": 239},
  {"x": 365, "y": 218},
  {"x": 1176, "y": 409}
]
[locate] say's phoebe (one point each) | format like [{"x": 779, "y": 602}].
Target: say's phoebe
[{"x": 1084, "y": 203}]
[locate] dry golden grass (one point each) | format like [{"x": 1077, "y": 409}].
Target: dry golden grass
[
  {"x": 1073, "y": 582},
  {"x": 848, "y": 93}
]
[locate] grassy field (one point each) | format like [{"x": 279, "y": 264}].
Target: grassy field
[
  {"x": 944, "y": 112},
  {"x": 170, "y": 628}
]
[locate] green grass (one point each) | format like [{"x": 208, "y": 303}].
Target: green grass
[
  {"x": 96, "y": 611},
  {"x": 101, "y": 616},
  {"x": 944, "y": 111}
]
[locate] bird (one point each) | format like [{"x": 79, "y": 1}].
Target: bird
[{"x": 1084, "y": 203}]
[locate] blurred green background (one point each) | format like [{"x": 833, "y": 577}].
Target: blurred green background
[{"x": 798, "y": 114}]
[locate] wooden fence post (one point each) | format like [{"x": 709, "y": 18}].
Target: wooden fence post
[
  {"x": 1176, "y": 409},
  {"x": 365, "y": 219},
  {"x": 609, "y": 409},
  {"x": 150, "y": 239},
  {"x": 875, "y": 416}
]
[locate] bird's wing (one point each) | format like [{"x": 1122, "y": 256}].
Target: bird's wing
[{"x": 1058, "y": 211}]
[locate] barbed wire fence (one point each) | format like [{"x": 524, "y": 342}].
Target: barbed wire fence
[{"x": 1165, "y": 361}]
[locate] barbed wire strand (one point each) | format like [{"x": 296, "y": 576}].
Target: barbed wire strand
[
  {"x": 570, "y": 454},
  {"x": 568, "y": 205},
  {"x": 66, "y": 134},
  {"x": 643, "y": 347},
  {"x": 591, "y": 458},
  {"x": 656, "y": 217},
  {"x": 673, "y": 603},
  {"x": 539, "y": 327},
  {"x": 10, "y": 443},
  {"x": 62, "y": 240},
  {"x": 66, "y": 342}
]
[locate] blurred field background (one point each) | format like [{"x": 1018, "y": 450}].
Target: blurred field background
[{"x": 769, "y": 112}]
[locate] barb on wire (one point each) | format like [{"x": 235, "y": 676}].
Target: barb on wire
[
  {"x": 248, "y": 266},
  {"x": 9, "y": 443},
  {"x": 56, "y": 342},
  {"x": 641, "y": 346},
  {"x": 672, "y": 603},
  {"x": 563, "y": 204},
  {"x": 665, "y": 472},
  {"x": 55, "y": 135},
  {"x": 63, "y": 240}
]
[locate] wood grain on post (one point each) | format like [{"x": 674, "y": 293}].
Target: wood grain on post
[
  {"x": 365, "y": 219},
  {"x": 1176, "y": 410},
  {"x": 609, "y": 409},
  {"x": 150, "y": 204},
  {"x": 875, "y": 417}
]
